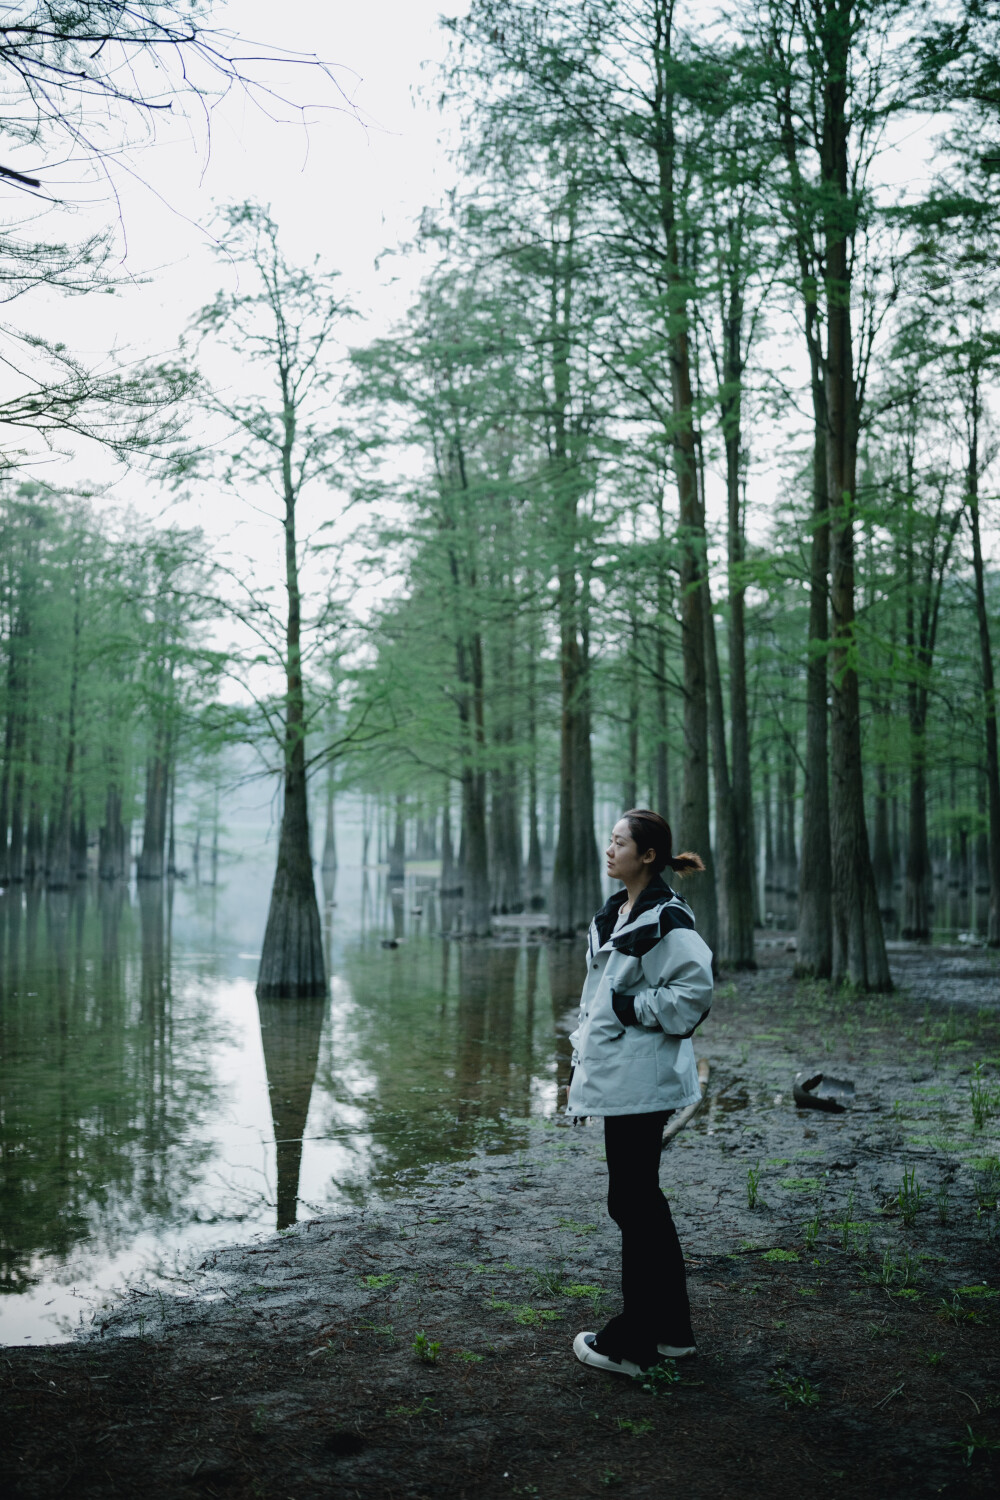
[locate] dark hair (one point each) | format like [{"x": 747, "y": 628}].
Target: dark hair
[{"x": 650, "y": 831}]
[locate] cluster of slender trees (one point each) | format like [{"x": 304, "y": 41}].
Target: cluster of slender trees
[
  {"x": 106, "y": 691},
  {"x": 672, "y": 487},
  {"x": 699, "y": 404}
]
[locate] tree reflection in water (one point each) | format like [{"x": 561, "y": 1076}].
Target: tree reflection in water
[
  {"x": 290, "y": 1032},
  {"x": 104, "y": 1085}
]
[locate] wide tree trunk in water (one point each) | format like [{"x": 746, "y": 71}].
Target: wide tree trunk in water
[
  {"x": 329, "y": 861},
  {"x": 397, "y": 849},
  {"x": 476, "y": 918},
  {"x": 450, "y": 880},
  {"x": 291, "y": 961},
  {"x": 152, "y": 857},
  {"x": 112, "y": 847}
]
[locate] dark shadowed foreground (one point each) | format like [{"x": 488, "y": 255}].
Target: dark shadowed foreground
[{"x": 421, "y": 1347}]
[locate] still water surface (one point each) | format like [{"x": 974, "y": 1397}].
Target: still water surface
[{"x": 151, "y": 1108}]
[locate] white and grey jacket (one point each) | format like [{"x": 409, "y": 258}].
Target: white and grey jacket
[{"x": 636, "y": 1057}]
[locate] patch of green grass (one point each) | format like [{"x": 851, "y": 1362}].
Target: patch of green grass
[
  {"x": 794, "y": 1390},
  {"x": 802, "y": 1184},
  {"x": 754, "y": 1197},
  {"x": 781, "y": 1255},
  {"x": 908, "y": 1196},
  {"x": 583, "y": 1289},
  {"x": 639, "y": 1427},
  {"x": 574, "y": 1227},
  {"x": 468, "y": 1357},
  {"x": 426, "y": 1350},
  {"x": 425, "y": 1409},
  {"x": 976, "y": 1291},
  {"x": 657, "y": 1380},
  {"x": 974, "y": 1443},
  {"x": 376, "y": 1283}
]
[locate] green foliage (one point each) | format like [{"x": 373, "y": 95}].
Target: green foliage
[
  {"x": 794, "y": 1390},
  {"x": 425, "y": 1349},
  {"x": 754, "y": 1198}
]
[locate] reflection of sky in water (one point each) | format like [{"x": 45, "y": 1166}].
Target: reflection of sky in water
[{"x": 136, "y": 1125}]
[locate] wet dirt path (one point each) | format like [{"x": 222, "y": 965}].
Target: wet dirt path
[{"x": 843, "y": 1273}]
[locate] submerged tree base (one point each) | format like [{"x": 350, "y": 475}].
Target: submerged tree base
[{"x": 291, "y": 963}]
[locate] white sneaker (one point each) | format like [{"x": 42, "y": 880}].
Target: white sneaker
[
  {"x": 583, "y": 1348},
  {"x": 675, "y": 1351}
]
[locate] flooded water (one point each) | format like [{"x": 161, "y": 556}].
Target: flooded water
[{"x": 151, "y": 1108}]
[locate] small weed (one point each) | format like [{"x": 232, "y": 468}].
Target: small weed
[
  {"x": 802, "y": 1184},
  {"x": 534, "y": 1315},
  {"x": 974, "y": 1443},
  {"x": 425, "y": 1409},
  {"x": 549, "y": 1283},
  {"x": 259, "y": 1419},
  {"x": 908, "y": 1196},
  {"x": 754, "y": 1198},
  {"x": 810, "y": 1232},
  {"x": 987, "y": 1184},
  {"x": 884, "y": 1331},
  {"x": 609, "y": 1479},
  {"x": 976, "y": 1291},
  {"x": 426, "y": 1350},
  {"x": 575, "y": 1227},
  {"x": 793, "y": 1390},
  {"x": 657, "y": 1380},
  {"x": 985, "y": 1100},
  {"x": 639, "y": 1428},
  {"x": 954, "y": 1312},
  {"x": 942, "y": 1205},
  {"x": 376, "y": 1283},
  {"x": 781, "y": 1255},
  {"x": 468, "y": 1357},
  {"x": 896, "y": 1273},
  {"x": 933, "y": 1357},
  {"x": 582, "y": 1289}
]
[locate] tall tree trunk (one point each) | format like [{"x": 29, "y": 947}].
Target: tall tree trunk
[
  {"x": 630, "y": 786},
  {"x": 859, "y": 954},
  {"x": 397, "y": 849},
  {"x": 534, "y": 887},
  {"x": 740, "y": 899},
  {"x": 329, "y": 861},
  {"x": 150, "y": 864},
  {"x": 291, "y": 961},
  {"x": 112, "y": 848},
  {"x": 575, "y": 891},
  {"x": 693, "y": 831},
  {"x": 989, "y": 690},
  {"x": 450, "y": 882},
  {"x": 60, "y": 861}
]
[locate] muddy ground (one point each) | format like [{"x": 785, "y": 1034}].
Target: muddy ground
[{"x": 847, "y": 1323}]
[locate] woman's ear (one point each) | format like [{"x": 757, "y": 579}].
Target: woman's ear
[{"x": 648, "y": 857}]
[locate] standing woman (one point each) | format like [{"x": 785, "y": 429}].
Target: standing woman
[{"x": 648, "y": 986}]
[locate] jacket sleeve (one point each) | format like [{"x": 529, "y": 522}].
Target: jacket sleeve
[{"x": 677, "y": 995}]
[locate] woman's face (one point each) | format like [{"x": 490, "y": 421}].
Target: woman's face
[{"x": 624, "y": 860}]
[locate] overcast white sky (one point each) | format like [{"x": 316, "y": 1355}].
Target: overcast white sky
[{"x": 341, "y": 188}]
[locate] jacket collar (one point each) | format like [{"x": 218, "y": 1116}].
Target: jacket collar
[{"x": 653, "y": 895}]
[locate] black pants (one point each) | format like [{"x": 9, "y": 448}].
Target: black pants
[{"x": 654, "y": 1290}]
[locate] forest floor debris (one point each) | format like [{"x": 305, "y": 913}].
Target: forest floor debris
[{"x": 844, "y": 1282}]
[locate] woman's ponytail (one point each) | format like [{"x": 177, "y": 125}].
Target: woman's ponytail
[{"x": 687, "y": 864}]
